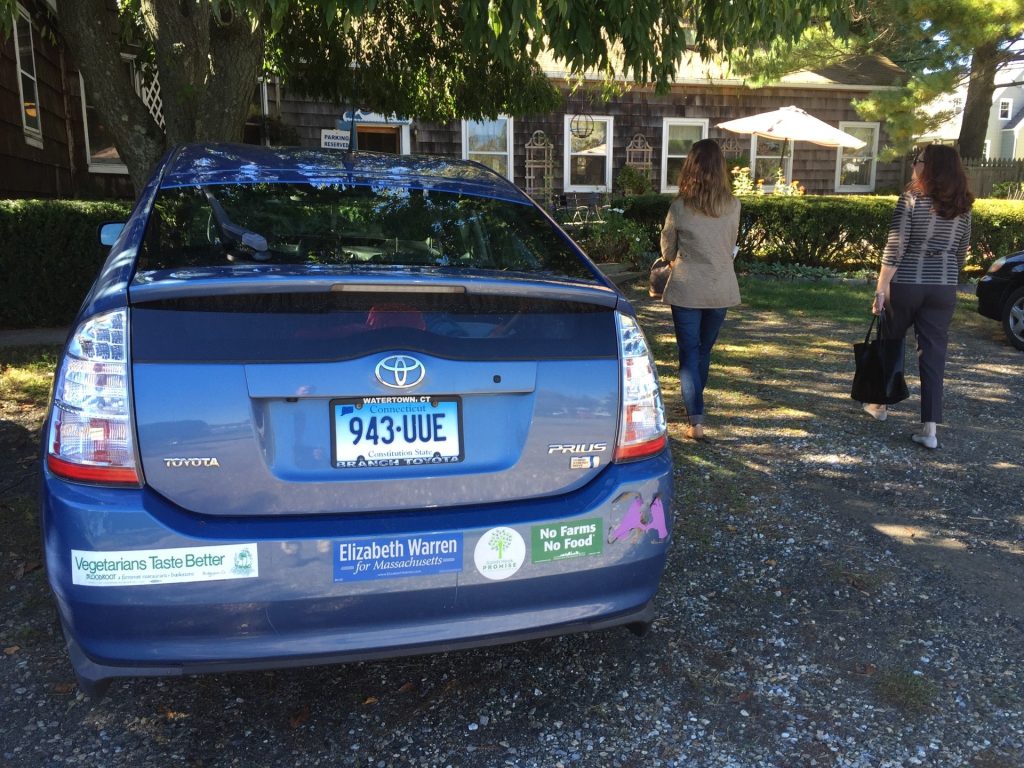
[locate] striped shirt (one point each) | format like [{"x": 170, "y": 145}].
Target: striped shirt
[{"x": 924, "y": 248}]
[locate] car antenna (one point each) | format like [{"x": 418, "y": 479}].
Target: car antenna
[{"x": 353, "y": 137}]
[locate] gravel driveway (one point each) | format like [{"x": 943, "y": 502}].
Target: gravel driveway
[{"x": 835, "y": 596}]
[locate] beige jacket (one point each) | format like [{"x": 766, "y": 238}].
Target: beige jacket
[{"x": 701, "y": 246}]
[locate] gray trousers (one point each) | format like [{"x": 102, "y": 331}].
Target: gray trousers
[{"x": 929, "y": 309}]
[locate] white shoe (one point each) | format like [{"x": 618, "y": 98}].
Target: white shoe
[
  {"x": 879, "y": 412},
  {"x": 930, "y": 442}
]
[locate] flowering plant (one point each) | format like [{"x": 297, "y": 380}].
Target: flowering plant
[{"x": 744, "y": 184}]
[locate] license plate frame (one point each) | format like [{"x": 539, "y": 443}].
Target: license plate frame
[{"x": 392, "y": 417}]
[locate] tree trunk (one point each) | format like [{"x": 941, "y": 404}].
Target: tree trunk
[
  {"x": 237, "y": 51},
  {"x": 93, "y": 34},
  {"x": 978, "y": 105},
  {"x": 207, "y": 66},
  {"x": 180, "y": 34}
]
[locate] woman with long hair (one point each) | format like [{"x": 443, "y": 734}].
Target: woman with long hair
[
  {"x": 699, "y": 237},
  {"x": 917, "y": 282}
]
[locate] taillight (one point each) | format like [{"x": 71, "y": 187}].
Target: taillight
[
  {"x": 642, "y": 429},
  {"x": 90, "y": 437}
]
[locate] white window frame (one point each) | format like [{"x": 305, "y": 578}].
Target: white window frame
[
  {"x": 509, "y": 146},
  {"x": 33, "y": 136},
  {"x": 567, "y": 156},
  {"x": 1006, "y": 104},
  {"x": 351, "y": 120},
  {"x": 95, "y": 167},
  {"x": 404, "y": 143},
  {"x": 668, "y": 185},
  {"x": 787, "y": 165},
  {"x": 870, "y": 187}
]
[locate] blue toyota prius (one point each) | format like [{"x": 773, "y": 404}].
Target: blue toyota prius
[{"x": 323, "y": 406}]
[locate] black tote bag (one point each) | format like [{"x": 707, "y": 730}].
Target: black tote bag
[
  {"x": 879, "y": 375},
  {"x": 661, "y": 270}
]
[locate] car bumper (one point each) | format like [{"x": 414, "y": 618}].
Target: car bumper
[
  {"x": 992, "y": 293},
  {"x": 295, "y": 602}
]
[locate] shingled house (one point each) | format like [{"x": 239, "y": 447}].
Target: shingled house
[
  {"x": 52, "y": 142},
  {"x": 582, "y": 148}
]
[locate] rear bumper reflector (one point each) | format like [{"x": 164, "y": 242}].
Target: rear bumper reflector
[
  {"x": 90, "y": 473},
  {"x": 641, "y": 450}
]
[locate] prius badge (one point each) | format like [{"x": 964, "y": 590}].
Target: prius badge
[{"x": 400, "y": 371}]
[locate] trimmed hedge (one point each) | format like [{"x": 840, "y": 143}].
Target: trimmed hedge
[
  {"x": 998, "y": 229},
  {"x": 50, "y": 254},
  {"x": 845, "y": 233},
  {"x": 49, "y": 257}
]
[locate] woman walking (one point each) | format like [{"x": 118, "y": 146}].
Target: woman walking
[
  {"x": 699, "y": 237},
  {"x": 928, "y": 239}
]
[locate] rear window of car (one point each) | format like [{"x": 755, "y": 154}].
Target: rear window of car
[
  {"x": 335, "y": 224},
  {"x": 307, "y": 327}
]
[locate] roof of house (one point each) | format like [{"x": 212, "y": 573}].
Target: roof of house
[
  {"x": 864, "y": 71},
  {"x": 856, "y": 73},
  {"x": 1014, "y": 122}
]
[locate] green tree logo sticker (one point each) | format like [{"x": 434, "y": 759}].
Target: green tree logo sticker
[
  {"x": 500, "y": 539},
  {"x": 243, "y": 560},
  {"x": 499, "y": 553}
]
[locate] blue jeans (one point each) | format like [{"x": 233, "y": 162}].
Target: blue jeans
[{"x": 696, "y": 332}]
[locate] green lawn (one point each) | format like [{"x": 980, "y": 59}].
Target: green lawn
[
  {"x": 836, "y": 302},
  {"x": 782, "y": 367},
  {"x": 797, "y": 311},
  {"x": 25, "y": 374},
  {"x": 784, "y": 331}
]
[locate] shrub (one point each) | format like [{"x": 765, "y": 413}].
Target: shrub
[
  {"x": 647, "y": 211},
  {"x": 739, "y": 161},
  {"x": 616, "y": 239},
  {"x": 1008, "y": 190},
  {"x": 633, "y": 181},
  {"x": 49, "y": 258},
  {"x": 843, "y": 232},
  {"x": 50, "y": 254},
  {"x": 780, "y": 271},
  {"x": 997, "y": 229}
]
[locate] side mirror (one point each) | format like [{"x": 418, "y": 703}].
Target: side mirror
[{"x": 109, "y": 232}]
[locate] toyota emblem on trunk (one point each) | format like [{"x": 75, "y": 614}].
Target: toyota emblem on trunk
[{"x": 400, "y": 371}]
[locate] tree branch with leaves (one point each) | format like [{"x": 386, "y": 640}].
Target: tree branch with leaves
[
  {"x": 429, "y": 59},
  {"x": 941, "y": 45}
]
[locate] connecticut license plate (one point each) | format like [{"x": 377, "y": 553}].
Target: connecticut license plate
[{"x": 396, "y": 431}]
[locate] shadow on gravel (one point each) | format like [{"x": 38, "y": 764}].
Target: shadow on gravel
[
  {"x": 780, "y": 409},
  {"x": 19, "y": 460},
  {"x": 19, "y": 520}
]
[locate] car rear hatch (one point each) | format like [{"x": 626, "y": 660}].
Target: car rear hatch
[{"x": 258, "y": 393}]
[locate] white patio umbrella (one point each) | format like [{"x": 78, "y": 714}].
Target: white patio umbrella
[{"x": 792, "y": 124}]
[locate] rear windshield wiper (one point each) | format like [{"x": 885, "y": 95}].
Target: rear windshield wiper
[{"x": 231, "y": 233}]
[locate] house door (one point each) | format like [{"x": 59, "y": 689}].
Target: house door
[{"x": 379, "y": 138}]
